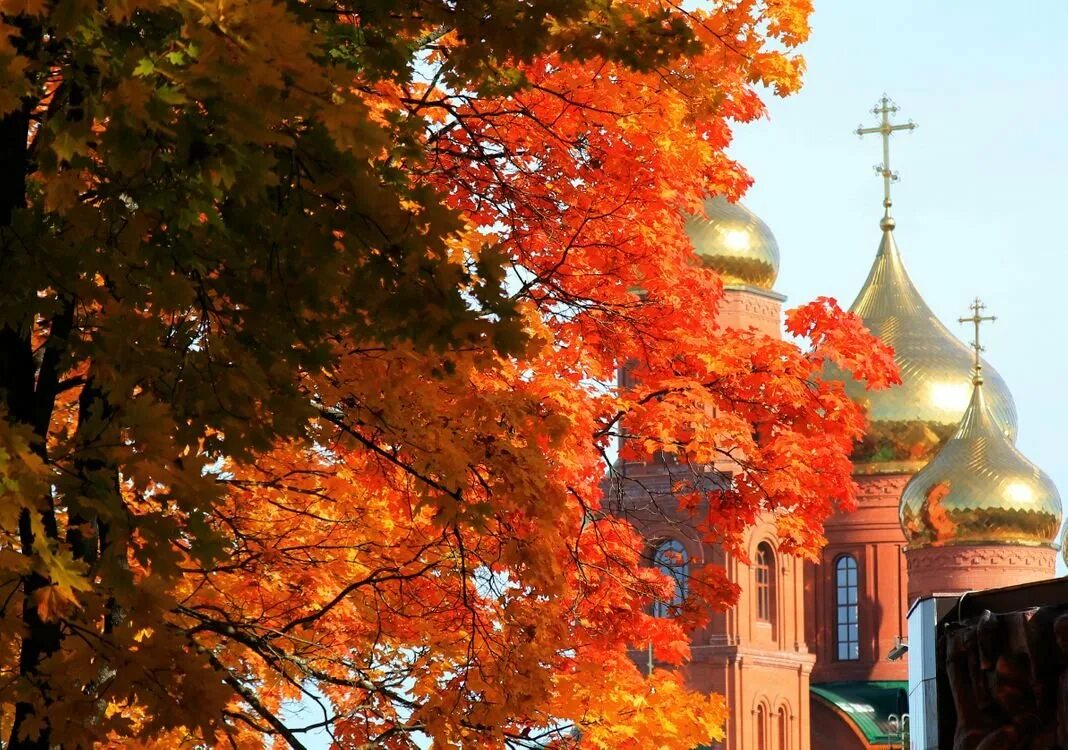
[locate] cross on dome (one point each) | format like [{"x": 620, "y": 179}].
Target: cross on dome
[
  {"x": 885, "y": 128},
  {"x": 977, "y": 319}
]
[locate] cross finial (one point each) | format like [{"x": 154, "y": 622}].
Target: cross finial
[
  {"x": 884, "y": 109},
  {"x": 977, "y": 319}
]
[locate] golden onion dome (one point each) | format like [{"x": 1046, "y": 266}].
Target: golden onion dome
[
  {"x": 733, "y": 241},
  {"x": 908, "y": 422},
  {"x": 979, "y": 489}
]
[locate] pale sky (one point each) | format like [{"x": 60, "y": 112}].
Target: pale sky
[{"x": 983, "y": 178}]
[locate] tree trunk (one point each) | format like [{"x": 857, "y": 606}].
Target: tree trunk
[{"x": 18, "y": 391}]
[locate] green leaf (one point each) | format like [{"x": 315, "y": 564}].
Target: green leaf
[{"x": 145, "y": 68}]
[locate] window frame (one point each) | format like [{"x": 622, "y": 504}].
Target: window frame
[
  {"x": 846, "y": 608},
  {"x": 764, "y": 583},
  {"x": 678, "y": 572}
]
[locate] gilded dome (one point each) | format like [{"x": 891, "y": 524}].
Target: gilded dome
[
  {"x": 979, "y": 489},
  {"x": 731, "y": 240},
  {"x": 908, "y": 422}
]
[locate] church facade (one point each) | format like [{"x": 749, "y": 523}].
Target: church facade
[{"x": 812, "y": 656}]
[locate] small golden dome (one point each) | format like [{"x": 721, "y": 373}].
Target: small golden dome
[
  {"x": 908, "y": 422},
  {"x": 980, "y": 489},
  {"x": 731, "y": 240}
]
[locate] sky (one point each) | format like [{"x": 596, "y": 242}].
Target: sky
[{"x": 982, "y": 179}]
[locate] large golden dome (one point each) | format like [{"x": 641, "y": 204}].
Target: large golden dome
[
  {"x": 908, "y": 422},
  {"x": 980, "y": 490},
  {"x": 731, "y": 240}
]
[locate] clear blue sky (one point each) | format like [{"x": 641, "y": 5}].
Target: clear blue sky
[{"x": 983, "y": 178}]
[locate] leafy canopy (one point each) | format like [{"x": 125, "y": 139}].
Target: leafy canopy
[{"x": 303, "y": 313}]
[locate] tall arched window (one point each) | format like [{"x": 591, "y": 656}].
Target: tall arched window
[
  {"x": 670, "y": 558},
  {"x": 847, "y": 614},
  {"x": 761, "y": 727},
  {"x": 765, "y": 582},
  {"x": 782, "y": 729}
]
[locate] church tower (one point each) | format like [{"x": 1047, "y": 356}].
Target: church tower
[
  {"x": 754, "y": 654},
  {"x": 734, "y": 242},
  {"x": 907, "y": 425},
  {"x": 857, "y": 598}
]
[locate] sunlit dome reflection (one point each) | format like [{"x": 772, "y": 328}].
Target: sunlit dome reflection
[{"x": 733, "y": 241}]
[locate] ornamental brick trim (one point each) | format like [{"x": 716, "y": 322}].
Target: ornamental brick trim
[
  {"x": 1003, "y": 556},
  {"x": 954, "y": 570},
  {"x": 751, "y": 303},
  {"x": 882, "y": 486}
]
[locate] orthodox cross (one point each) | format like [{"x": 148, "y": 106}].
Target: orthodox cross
[
  {"x": 978, "y": 319},
  {"x": 884, "y": 109}
]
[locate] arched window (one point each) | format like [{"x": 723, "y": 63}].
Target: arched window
[
  {"x": 847, "y": 614},
  {"x": 783, "y": 729},
  {"x": 761, "y": 727},
  {"x": 670, "y": 558},
  {"x": 765, "y": 582}
]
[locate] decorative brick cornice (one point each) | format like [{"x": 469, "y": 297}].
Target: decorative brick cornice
[
  {"x": 764, "y": 308},
  {"x": 881, "y": 486},
  {"x": 1009, "y": 556},
  {"x": 747, "y": 656},
  {"x": 956, "y": 569}
]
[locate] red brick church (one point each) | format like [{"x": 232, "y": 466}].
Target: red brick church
[{"x": 807, "y": 657}]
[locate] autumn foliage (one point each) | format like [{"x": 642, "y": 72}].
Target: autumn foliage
[{"x": 307, "y": 315}]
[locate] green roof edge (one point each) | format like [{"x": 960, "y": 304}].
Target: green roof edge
[{"x": 838, "y": 695}]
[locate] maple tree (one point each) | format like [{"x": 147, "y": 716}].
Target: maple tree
[{"x": 306, "y": 310}]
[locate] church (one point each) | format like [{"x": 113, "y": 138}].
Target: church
[{"x": 815, "y": 655}]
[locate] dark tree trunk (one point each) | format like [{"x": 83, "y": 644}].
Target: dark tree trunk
[{"x": 23, "y": 402}]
